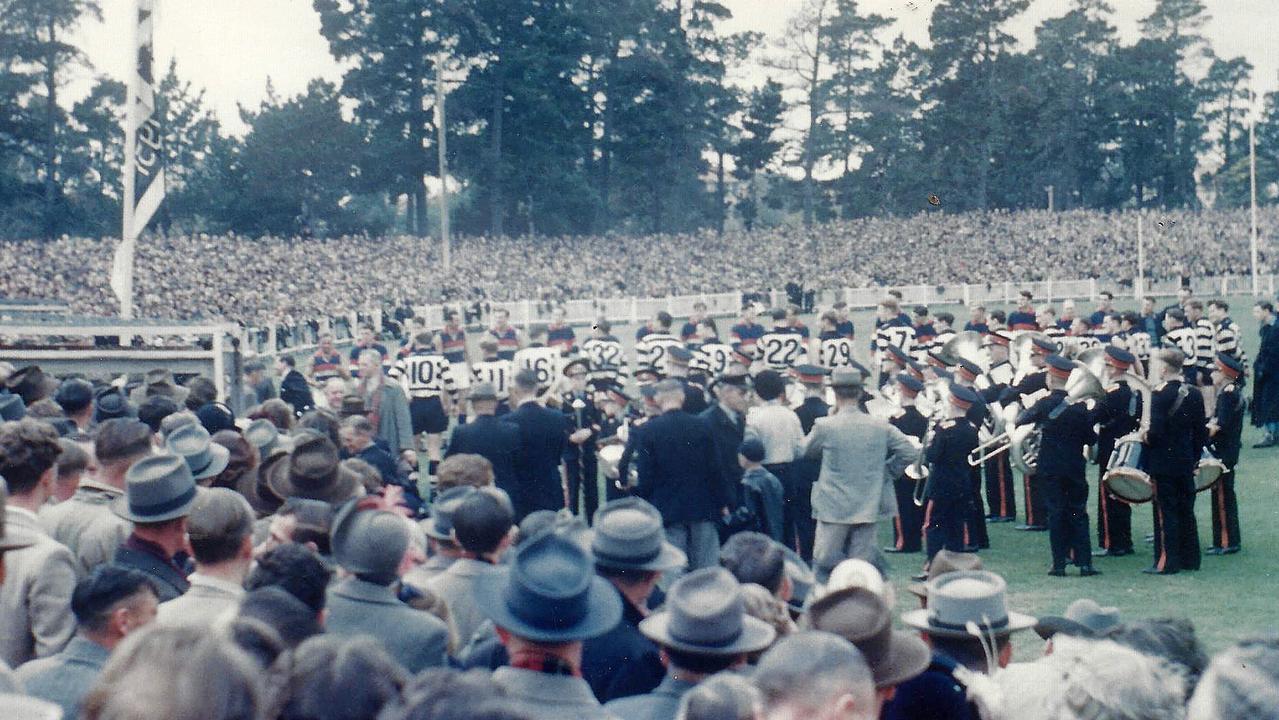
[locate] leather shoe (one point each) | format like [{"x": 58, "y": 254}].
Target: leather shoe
[
  {"x": 1088, "y": 571},
  {"x": 1267, "y": 441},
  {"x": 897, "y": 551},
  {"x": 971, "y": 548},
  {"x": 1230, "y": 550},
  {"x": 1113, "y": 553},
  {"x": 1156, "y": 571},
  {"x": 1057, "y": 572},
  {"x": 1215, "y": 551}
]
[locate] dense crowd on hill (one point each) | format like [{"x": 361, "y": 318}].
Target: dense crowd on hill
[{"x": 254, "y": 280}]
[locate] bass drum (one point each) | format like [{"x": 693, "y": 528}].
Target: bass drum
[
  {"x": 1208, "y": 472},
  {"x": 1124, "y": 475}
]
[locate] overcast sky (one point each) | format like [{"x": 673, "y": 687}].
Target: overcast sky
[{"x": 230, "y": 47}]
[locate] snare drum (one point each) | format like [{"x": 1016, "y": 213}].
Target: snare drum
[
  {"x": 1124, "y": 475},
  {"x": 1208, "y": 472}
]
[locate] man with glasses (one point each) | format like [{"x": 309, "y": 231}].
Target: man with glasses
[{"x": 581, "y": 468}]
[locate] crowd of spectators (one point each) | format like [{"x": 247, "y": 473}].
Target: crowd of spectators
[{"x": 256, "y": 280}]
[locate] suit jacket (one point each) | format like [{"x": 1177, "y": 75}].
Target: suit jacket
[
  {"x": 64, "y": 679},
  {"x": 661, "y": 704},
  {"x": 1265, "y": 368},
  {"x": 169, "y": 582},
  {"x": 456, "y": 587},
  {"x": 551, "y": 697},
  {"x": 622, "y": 662},
  {"x": 861, "y": 455},
  {"x": 543, "y": 435},
  {"x": 494, "y": 439},
  {"x": 416, "y": 639},
  {"x": 679, "y": 469},
  {"x": 394, "y": 424},
  {"x": 209, "y": 602},
  {"x": 35, "y": 598},
  {"x": 86, "y": 525},
  {"x": 932, "y": 695},
  {"x": 728, "y": 435},
  {"x": 295, "y": 391},
  {"x": 1175, "y": 440},
  {"x": 809, "y": 410}
]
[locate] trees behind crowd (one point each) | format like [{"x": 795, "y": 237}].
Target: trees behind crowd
[{"x": 566, "y": 120}]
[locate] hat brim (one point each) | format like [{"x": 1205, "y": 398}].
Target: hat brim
[
  {"x": 248, "y": 485},
  {"x": 7, "y": 544},
  {"x": 603, "y": 610},
  {"x": 907, "y": 657},
  {"x": 756, "y": 635},
  {"x": 918, "y": 619},
  {"x": 428, "y": 528},
  {"x": 339, "y": 488},
  {"x": 1054, "y": 624},
  {"x": 221, "y": 458},
  {"x": 120, "y": 506},
  {"x": 669, "y": 558}
]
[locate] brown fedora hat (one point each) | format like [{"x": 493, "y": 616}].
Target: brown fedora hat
[
  {"x": 311, "y": 471},
  {"x": 253, "y": 486},
  {"x": 861, "y": 617},
  {"x": 945, "y": 561}
]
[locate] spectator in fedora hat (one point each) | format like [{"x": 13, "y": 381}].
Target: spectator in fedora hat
[
  {"x": 1083, "y": 618},
  {"x": 631, "y": 552},
  {"x": 442, "y": 548},
  {"x": 110, "y": 402},
  {"x": 370, "y": 545},
  {"x": 31, "y": 384},
  {"x": 861, "y": 617},
  {"x": 205, "y": 458},
  {"x": 159, "y": 493},
  {"x": 75, "y": 396},
  {"x": 12, "y": 408},
  {"x": 702, "y": 630},
  {"x": 544, "y": 605},
  {"x": 311, "y": 471},
  {"x": 158, "y": 381},
  {"x": 263, "y": 436},
  {"x": 816, "y": 675},
  {"x": 958, "y": 602},
  {"x": 35, "y": 600}
]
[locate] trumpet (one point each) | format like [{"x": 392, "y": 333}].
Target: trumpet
[{"x": 1000, "y": 444}]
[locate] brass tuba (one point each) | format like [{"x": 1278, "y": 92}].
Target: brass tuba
[{"x": 966, "y": 345}]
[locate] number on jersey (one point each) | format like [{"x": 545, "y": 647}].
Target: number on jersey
[
  {"x": 837, "y": 352},
  {"x": 780, "y": 351}
]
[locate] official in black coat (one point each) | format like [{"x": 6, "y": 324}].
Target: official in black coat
[
  {"x": 679, "y": 473},
  {"x": 806, "y": 470},
  {"x": 975, "y": 536},
  {"x": 1116, "y": 415},
  {"x": 492, "y": 438},
  {"x": 727, "y": 421},
  {"x": 946, "y": 490},
  {"x": 294, "y": 389},
  {"x": 1067, "y": 427},
  {"x": 581, "y": 466},
  {"x": 1178, "y": 433},
  {"x": 1265, "y": 369},
  {"x": 1224, "y": 430},
  {"x": 1001, "y": 498},
  {"x": 908, "y": 526},
  {"x": 543, "y": 435}
]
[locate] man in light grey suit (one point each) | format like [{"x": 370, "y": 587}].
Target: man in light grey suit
[
  {"x": 370, "y": 545},
  {"x": 35, "y": 600},
  {"x": 221, "y": 531},
  {"x": 861, "y": 455},
  {"x": 85, "y": 523},
  {"x": 110, "y": 603},
  {"x": 482, "y": 525},
  {"x": 386, "y": 407},
  {"x": 8, "y": 681}
]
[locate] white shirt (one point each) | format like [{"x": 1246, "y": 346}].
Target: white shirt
[{"x": 778, "y": 428}]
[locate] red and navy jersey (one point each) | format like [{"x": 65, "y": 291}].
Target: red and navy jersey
[
  {"x": 925, "y": 335},
  {"x": 982, "y": 328},
  {"x": 562, "y": 337},
  {"x": 1022, "y": 320},
  {"x": 508, "y": 341},
  {"x": 747, "y": 335},
  {"x": 689, "y": 333},
  {"x": 641, "y": 332},
  {"x": 845, "y": 329},
  {"x": 802, "y": 329},
  {"x": 355, "y": 356},
  {"x": 453, "y": 345},
  {"x": 324, "y": 366}
]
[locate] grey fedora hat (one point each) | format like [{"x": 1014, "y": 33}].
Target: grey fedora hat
[
  {"x": 706, "y": 615},
  {"x": 205, "y": 458},
  {"x": 970, "y": 596},
  {"x": 440, "y": 525},
  {"x": 156, "y": 488},
  {"x": 1083, "y": 617},
  {"x": 549, "y": 593},
  {"x": 483, "y": 391},
  {"x": 368, "y": 541},
  {"x": 629, "y": 535},
  {"x": 263, "y": 435}
]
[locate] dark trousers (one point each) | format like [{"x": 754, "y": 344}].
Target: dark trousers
[
  {"x": 1176, "y": 534},
  {"x": 974, "y": 517},
  {"x": 790, "y": 499},
  {"x": 1225, "y": 512},
  {"x": 1114, "y": 516},
  {"x": 582, "y": 473},
  {"x": 804, "y": 474},
  {"x": 908, "y": 526},
  {"x": 1067, "y": 501},
  {"x": 1036, "y": 508},
  {"x": 944, "y": 519},
  {"x": 1001, "y": 494}
]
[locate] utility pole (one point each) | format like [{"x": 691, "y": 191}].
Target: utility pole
[
  {"x": 1050, "y": 190},
  {"x": 1252, "y": 173},
  {"x": 441, "y": 130}
]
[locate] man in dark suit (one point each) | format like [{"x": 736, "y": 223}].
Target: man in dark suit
[
  {"x": 493, "y": 439},
  {"x": 727, "y": 420},
  {"x": 294, "y": 389},
  {"x": 1265, "y": 388},
  {"x": 1174, "y": 443},
  {"x": 543, "y": 434},
  {"x": 680, "y": 474}
]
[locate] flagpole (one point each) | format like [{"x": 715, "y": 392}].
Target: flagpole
[
  {"x": 122, "y": 263},
  {"x": 1252, "y": 172},
  {"x": 1141, "y": 261},
  {"x": 442, "y": 132}
]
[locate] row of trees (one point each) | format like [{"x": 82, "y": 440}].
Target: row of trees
[{"x": 562, "y": 118}]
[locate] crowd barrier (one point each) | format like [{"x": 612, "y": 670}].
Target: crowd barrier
[{"x": 295, "y": 337}]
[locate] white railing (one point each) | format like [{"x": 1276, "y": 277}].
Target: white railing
[{"x": 301, "y": 336}]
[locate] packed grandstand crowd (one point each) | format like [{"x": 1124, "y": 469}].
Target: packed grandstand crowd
[{"x": 254, "y": 280}]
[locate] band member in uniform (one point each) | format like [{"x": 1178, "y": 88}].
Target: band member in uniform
[
  {"x": 1023, "y": 318},
  {"x": 559, "y": 334},
  {"x": 813, "y": 379},
  {"x": 604, "y": 351},
  {"x": 783, "y": 346},
  {"x": 427, "y": 379},
  {"x": 1067, "y": 428},
  {"x": 581, "y": 466},
  {"x": 1223, "y": 431},
  {"x": 946, "y": 489},
  {"x": 1176, "y": 439},
  {"x": 1001, "y": 497},
  {"x": 326, "y": 362},
  {"x": 1117, "y": 414},
  {"x": 651, "y": 351},
  {"x": 1031, "y": 386},
  {"x": 543, "y": 360},
  {"x": 975, "y": 536},
  {"x": 494, "y": 370},
  {"x": 1179, "y": 335},
  {"x": 507, "y": 337},
  {"x": 909, "y": 524}
]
